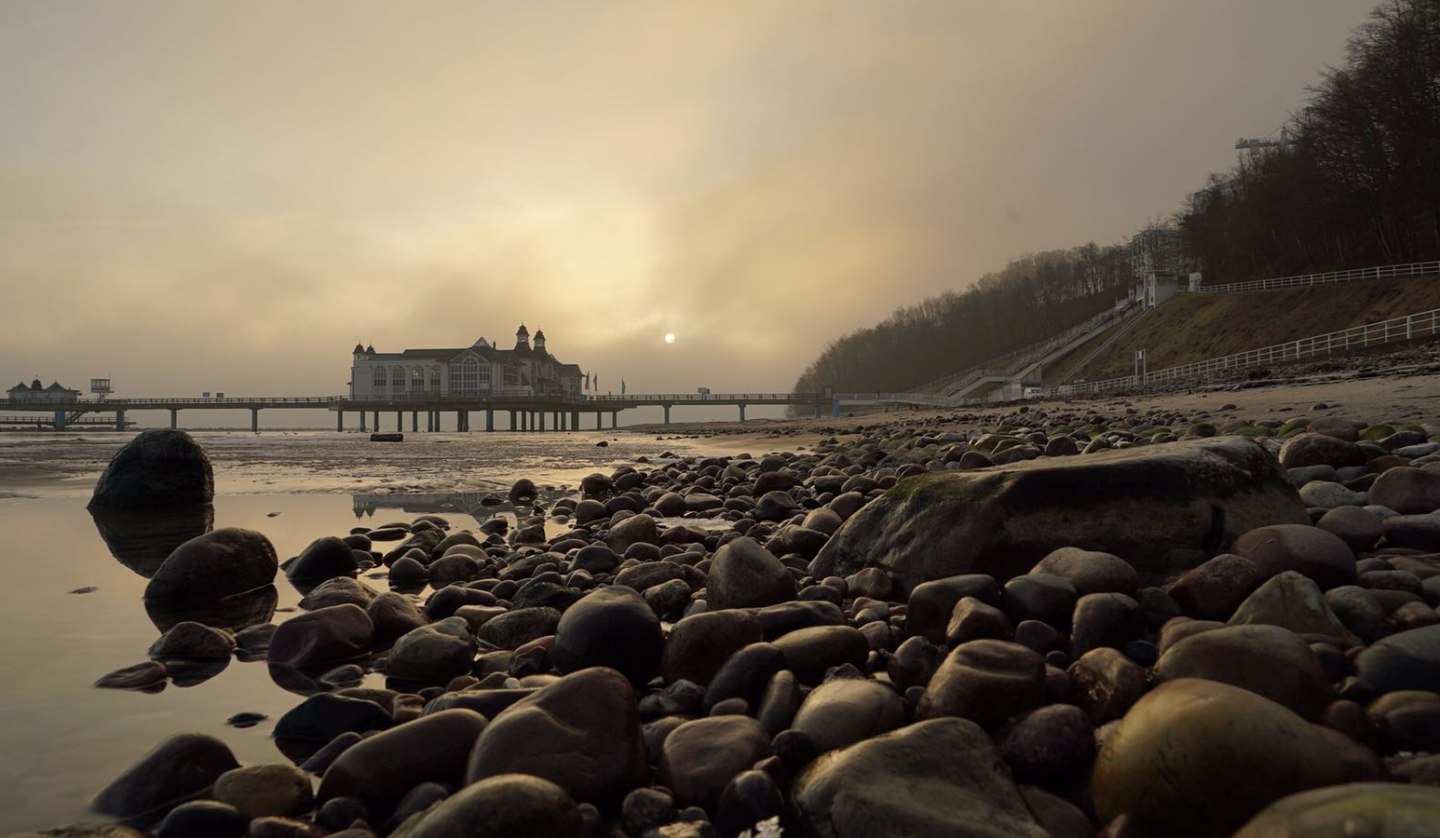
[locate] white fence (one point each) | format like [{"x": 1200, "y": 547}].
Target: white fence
[
  {"x": 1408, "y": 327},
  {"x": 1380, "y": 272}
]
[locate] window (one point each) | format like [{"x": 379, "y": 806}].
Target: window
[
  {"x": 464, "y": 377},
  {"x": 435, "y": 378},
  {"x": 397, "y": 380},
  {"x": 483, "y": 380},
  {"x": 417, "y": 379},
  {"x": 380, "y": 379},
  {"x": 512, "y": 376}
]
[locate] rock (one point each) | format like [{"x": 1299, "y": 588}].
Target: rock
[
  {"x": 611, "y": 627},
  {"x": 1419, "y": 532},
  {"x": 745, "y": 575},
  {"x": 380, "y": 769},
  {"x": 207, "y": 818},
  {"x": 516, "y": 628},
  {"x": 937, "y": 777},
  {"x": 1267, "y": 660},
  {"x": 745, "y": 674},
  {"x": 1358, "y": 528},
  {"x": 1051, "y": 743},
  {"x": 500, "y": 807},
  {"x": 339, "y": 590},
  {"x": 1407, "y": 660},
  {"x": 1325, "y": 494},
  {"x": 1163, "y": 507},
  {"x": 214, "y": 566},
  {"x": 748, "y": 799},
  {"x": 193, "y": 641},
  {"x": 777, "y": 620},
  {"x": 808, "y": 652},
  {"x": 931, "y": 604},
  {"x": 844, "y": 711},
  {"x": 974, "y": 620},
  {"x": 1091, "y": 572},
  {"x": 1354, "y": 809},
  {"x": 144, "y": 677},
  {"x": 258, "y": 791},
  {"x": 323, "y": 559},
  {"x": 1216, "y": 588},
  {"x": 1294, "y": 602},
  {"x": 1038, "y": 596},
  {"x": 637, "y": 529},
  {"x": 392, "y": 616},
  {"x": 1309, "y": 550},
  {"x": 322, "y": 638},
  {"x": 432, "y": 655},
  {"x": 1407, "y": 490},
  {"x": 1105, "y": 620},
  {"x": 1197, "y": 757},
  {"x": 1311, "y": 449},
  {"x": 700, "y": 757},
  {"x": 1106, "y": 683},
  {"x": 986, "y": 681},
  {"x": 158, "y": 469},
  {"x": 645, "y": 809},
  {"x": 699, "y": 644},
  {"x": 1359, "y": 611},
  {"x": 581, "y": 732},
  {"x": 319, "y": 719},
  {"x": 181, "y": 768}
]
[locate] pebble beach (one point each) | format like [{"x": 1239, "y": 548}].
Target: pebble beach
[{"x": 1207, "y": 612}]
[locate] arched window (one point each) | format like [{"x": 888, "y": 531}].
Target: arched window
[
  {"x": 397, "y": 380},
  {"x": 417, "y": 379},
  {"x": 380, "y": 379},
  {"x": 464, "y": 377},
  {"x": 434, "y": 378}
]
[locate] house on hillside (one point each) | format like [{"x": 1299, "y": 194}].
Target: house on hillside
[
  {"x": 37, "y": 393},
  {"x": 479, "y": 370}
]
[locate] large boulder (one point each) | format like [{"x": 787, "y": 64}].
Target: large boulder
[
  {"x": 380, "y": 769},
  {"x": 745, "y": 575},
  {"x": 1267, "y": 660},
  {"x": 611, "y": 626},
  {"x": 1407, "y": 660},
  {"x": 158, "y": 469},
  {"x": 1197, "y": 757},
  {"x": 1164, "y": 508},
  {"x": 499, "y": 807},
  {"x": 939, "y": 777},
  {"x": 215, "y": 566}
]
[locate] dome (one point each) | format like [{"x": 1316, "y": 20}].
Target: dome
[
  {"x": 359, "y": 350},
  {"x": 522, "y": 331}
]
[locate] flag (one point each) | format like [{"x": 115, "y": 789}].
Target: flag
[{"x": 622, "y": 386}]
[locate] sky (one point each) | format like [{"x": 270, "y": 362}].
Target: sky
[{"x": 228, "y": 196}]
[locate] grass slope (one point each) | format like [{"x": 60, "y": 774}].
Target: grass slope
[{"x": 1195, "y": 327}]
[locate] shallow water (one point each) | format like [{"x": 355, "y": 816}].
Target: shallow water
[{"x": 63, "y": 739}]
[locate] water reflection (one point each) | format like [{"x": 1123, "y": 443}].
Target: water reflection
[
  {"x": 482, "y": 506},
  {"x": 143, "y": 540},
  {"x": 237, "y": 612}
]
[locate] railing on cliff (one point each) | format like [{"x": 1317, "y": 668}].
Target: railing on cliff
[
  {"x": 1407, "y": 327},
  {"x": 1378, "y": 272}
]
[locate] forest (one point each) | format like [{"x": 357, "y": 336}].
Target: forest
[{"x": 1352, "y": 180}]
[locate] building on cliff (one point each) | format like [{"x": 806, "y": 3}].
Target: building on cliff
[{"x": 477, "y": 371}]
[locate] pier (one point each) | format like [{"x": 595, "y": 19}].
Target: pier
[{"x": 479, "y": 413}]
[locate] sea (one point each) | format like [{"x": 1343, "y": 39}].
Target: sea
[{"x": 71, "y": 607}]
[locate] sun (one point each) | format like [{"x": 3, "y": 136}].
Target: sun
[{"x": 669, "y": 337}]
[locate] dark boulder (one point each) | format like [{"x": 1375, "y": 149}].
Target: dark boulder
[
  {"x": 158, "y": 469},
  {"x": 214, "y": 566}
]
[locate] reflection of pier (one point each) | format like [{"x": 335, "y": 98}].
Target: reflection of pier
[{"x": 481, "y": 506}]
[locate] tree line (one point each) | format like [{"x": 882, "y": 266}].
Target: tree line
[{"x": 1353, "y": 181}]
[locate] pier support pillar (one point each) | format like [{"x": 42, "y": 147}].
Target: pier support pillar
[
  {"x": 599, "y": 420},
  {"x": 540, "y": 417},
  {"x": 667, "y": 413},
  {"x": 835, "y": 409},
  {"x": 742, "y": 413},
  {"x": 377, "y": 421},
  {"x": 339, "y": 420},
  {"x": 174, "y": 418},
  {"x": 362, "y": 422},
  {"x": 414, "y": 421},
  {"x": 614, "y": 419},
  {"x": 524, "y": 420},
  {"x": 60, "y": 421},
  {"x": 399, "y": 422},
  {"x": 817, "y": 411},
  {"x": 489, "y": 419},
  {"x": 255, "y": 420},
  {"x": 574, "y": 420},
  {"x": 462, "y": 420}
]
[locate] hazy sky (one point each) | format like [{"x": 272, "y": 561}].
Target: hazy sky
[{"x": 227, "y": 196}]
